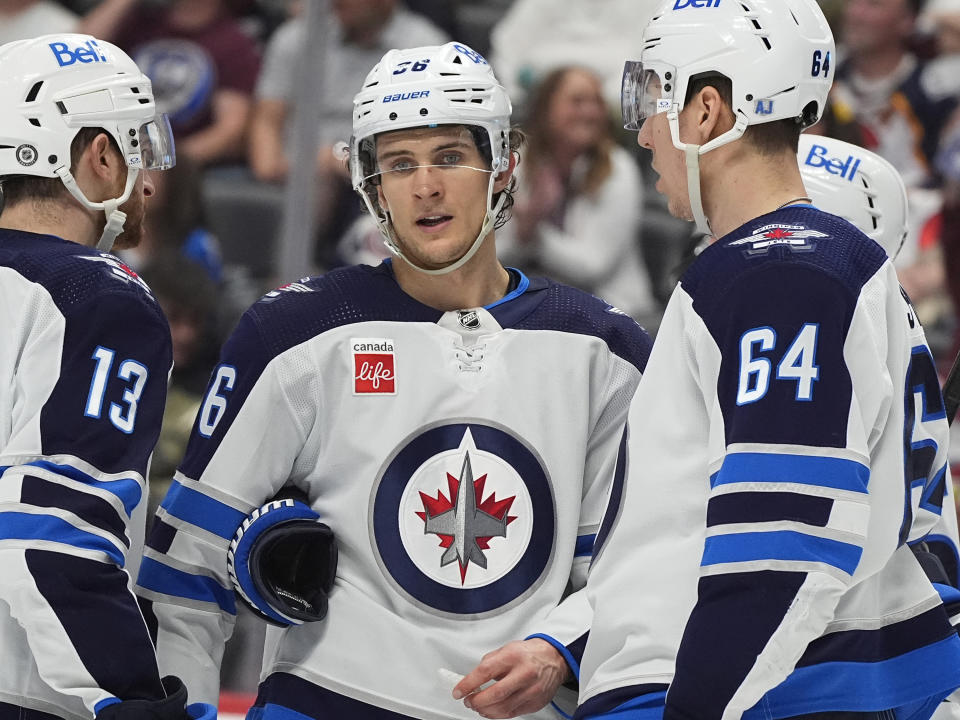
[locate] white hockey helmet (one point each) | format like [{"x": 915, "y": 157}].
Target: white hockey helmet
[
  {"x": 425, "y": 87},
  {"x": 779, "y": 56},
  {"x": 54, "y": 85},
  {"x": 857, "y": 185}
]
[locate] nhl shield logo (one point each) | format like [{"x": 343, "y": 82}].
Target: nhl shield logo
[
  {"x": 470, "y": 319},
  {"x": 463, "y": 519}
]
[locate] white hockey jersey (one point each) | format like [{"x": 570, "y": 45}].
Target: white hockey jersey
[
  {"x": 787, "y": 442},
  {"x": 381, "y": 409},
  {"x": 84, "y": 362}
]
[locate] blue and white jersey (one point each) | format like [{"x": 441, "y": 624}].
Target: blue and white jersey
[
  {"x": 84, "y": 362},
  {"x": 464, "y": 460},
  {"x": 787, "y": 442}
]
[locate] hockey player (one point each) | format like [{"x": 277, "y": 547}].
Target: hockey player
[
  {"x": 758, "y": 564},
  {"x": 84, "y": 360},
  {"x": 457, "y": 425}
]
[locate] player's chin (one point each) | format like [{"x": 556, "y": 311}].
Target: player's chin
[{"x": 130, "y": 238}]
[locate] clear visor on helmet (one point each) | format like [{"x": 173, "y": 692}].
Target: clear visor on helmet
[
  {"x": 393, "y": 156},
  {"x": 646, "y": 91},
  {"x": 156, "y": 144}
]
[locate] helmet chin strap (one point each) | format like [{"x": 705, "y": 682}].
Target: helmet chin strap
[
  {"x": 391, "y": 240},
  {"x": 692, "y": 155},
  {"x": 115, "y": 217}
]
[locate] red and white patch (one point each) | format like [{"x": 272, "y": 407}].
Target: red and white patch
[{"x": 374, "y": 367}]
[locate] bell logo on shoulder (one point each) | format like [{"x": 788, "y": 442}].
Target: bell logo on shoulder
[
  {"x": 87, "y": 53},
  {"x": 681, "y": 4},
  {"x": 374, "y": 371},
  {"x": 817, "y": 158}
]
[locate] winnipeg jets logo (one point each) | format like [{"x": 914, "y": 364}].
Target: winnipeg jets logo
[
  {"x": 465, "y": 522},
  {"x": 462, "y": 518},
  {"x": 118, "y": 269},
  {"x": 796, "y": 237}
]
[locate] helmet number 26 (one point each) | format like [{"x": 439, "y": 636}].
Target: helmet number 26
[{"x": 821, "y": 64}]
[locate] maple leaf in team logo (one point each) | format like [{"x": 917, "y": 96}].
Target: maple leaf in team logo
[
  {"x": 778, "y": 234},
  {"x": 465, "y": 522}
]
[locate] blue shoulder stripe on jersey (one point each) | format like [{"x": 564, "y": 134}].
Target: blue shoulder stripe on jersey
[
  {"x": 127, "y": 489},
  {"x": 202, "y": 510},
  {"x": 25, "y": 526},
  {"x": 164, "y": 579},
  {"x": 584, "y": 547},
  {"x": 829, "y": 472},
  {"x": 780, "y": 545},
  {"x": 932, "y": 671},
  {"x": 753, "y": 507}
]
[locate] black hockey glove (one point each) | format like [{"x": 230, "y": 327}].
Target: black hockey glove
[
  {"x": 172, "y": 707},
  {"x": 283, "y": 561}
]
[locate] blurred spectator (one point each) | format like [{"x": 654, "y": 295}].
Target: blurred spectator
[
  {"x": 442, "y": 13},
  {"x": 900, "y": 106},
  {"x": 536, "y": 36},
  {"x": 577, "y": 212},
  {"x": 22, "y": 19},
  {"x": 189, "y": 300},
  {"x": 360, "y": 32},
  {"x": 174, "y": 224},
  {"x": 203, "y": 67}
]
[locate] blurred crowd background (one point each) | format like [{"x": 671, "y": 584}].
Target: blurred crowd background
[{"x": 259, "y": 93}]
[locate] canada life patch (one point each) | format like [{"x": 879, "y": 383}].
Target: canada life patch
[{"x": 374, "y": 369}]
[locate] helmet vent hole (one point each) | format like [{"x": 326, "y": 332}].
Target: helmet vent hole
[
  {"x": 135, "y": 90},
  {"x": 766, "y": 42},
  {"x": 34, "y": 91},
  {"x": 61, "y": 107},
  {"x": 144, "y": 101},
  {"x": 457, "y": 60},
  {"x": 35, "y": 122}
]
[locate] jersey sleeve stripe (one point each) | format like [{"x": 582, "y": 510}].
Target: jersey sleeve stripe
[
  {"x": 751, "y": 507},
  {"x": 888, "y": 683},
  {"x": 829, "y": 472},
  {"x": 933, "y": 494},
  {"x": 584, "y": 546},
  {"x": 91, "y": 509},
  {"x": 128, "y": 490},
  {"x": 202, "y": 510},
  {"x": 780, "y": 545},
  {"x": 166, "y": 580},
  {"x": 27, "y": 526}
]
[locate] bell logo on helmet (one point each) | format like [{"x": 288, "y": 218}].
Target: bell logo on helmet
[
  {"x": 681, "y": 4},
  {"x": 89, "y": 52},
  {"x": 26, "y": 155},
  {"x": 817, "y": 158}
]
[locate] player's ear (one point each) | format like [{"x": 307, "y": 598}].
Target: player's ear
[
  {"x": 503, "y": 178},
  {"x": 712, "y": 115}
]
